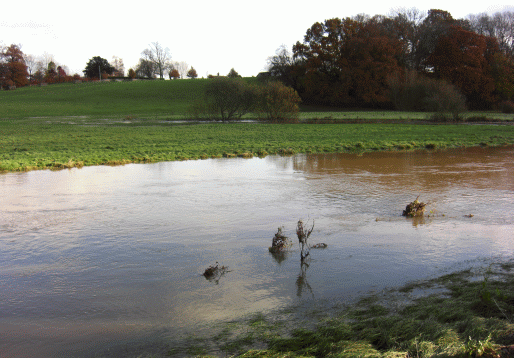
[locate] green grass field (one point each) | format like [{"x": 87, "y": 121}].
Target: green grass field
[
  {"x": 71, "y": 125},
  {"x": 28, "y": 144},
  {"x": 153, "y": 100},
  {"x": 102, "y": 99}
]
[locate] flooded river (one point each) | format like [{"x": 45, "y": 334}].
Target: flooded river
[{"x": 106, "y": 261}]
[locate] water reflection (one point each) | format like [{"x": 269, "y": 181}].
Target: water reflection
[
  {"x": 302, "y": 284},
  {"x": 116, "y": 254}
]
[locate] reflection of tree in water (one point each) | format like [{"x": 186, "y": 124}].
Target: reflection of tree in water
[{"x": 301, "y": 281}]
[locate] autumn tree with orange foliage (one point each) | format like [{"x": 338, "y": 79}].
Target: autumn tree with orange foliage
[
  {"x": 174, "y": 74},
  {"x": 466, "y": 60},
  {"x": 13, "y": 70},
  {"x": 347, "y": 62}
]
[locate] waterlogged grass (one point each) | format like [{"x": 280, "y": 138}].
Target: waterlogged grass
[
  {"x": 378, "y": 116},
  {"x": 470, "y": 315},
  {"x": 29, "y": 144}
]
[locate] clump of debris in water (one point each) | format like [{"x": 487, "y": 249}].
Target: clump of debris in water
[
  {"x": 214, "y": 272},
  {"x": 280, "y": 243},
  {"x": 416, "y": 208}
]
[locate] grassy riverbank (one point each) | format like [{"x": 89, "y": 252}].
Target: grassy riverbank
[
  {"x": 464, "y": 314},
  {"x": 30, "y": 144}
]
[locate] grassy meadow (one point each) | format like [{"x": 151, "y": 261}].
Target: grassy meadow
[
  {"x": 72, "y": 125},
  {"x": 110, "y": 123},
  {"x": 29, "y": 144},
  {"x": 165, "y": 100}
]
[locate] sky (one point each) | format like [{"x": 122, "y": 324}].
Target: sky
[{"x": 212, "y": 36}]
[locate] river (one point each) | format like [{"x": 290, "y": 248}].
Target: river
[{"x": 108, "y": 261}]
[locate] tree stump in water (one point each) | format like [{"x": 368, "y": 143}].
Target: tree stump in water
[
  {"x": 416, "y": 208},
  {"x": 280, "y": 242}
]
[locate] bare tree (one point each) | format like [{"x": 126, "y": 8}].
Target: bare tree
[
  {"x": 500, "y": 26},
  {"x": 168, "y": 69},
  {"x": 407, "y": 22},
  {"x": 118, "y": 65},
  {"x": 283, "y": 67},
  {"x": 159, "y": 56},
  {"x": 31, "y": 63},
  {"x": 44, "y": 60},
  {"x": 182, "y": 68}
]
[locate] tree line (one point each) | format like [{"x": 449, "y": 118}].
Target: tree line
[
  {"x": 18, "y": 69},
  {"x": 391, "y": 61}
]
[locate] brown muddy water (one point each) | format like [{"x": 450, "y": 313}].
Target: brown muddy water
[{"x": 108, "y": 261}]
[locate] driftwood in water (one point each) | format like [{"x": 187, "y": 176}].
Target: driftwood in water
[
  {"x": 416, "y": 208},
  {"x": 320, "y": 245}
]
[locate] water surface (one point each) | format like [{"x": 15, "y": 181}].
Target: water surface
[{"x": 107, "y": 261}]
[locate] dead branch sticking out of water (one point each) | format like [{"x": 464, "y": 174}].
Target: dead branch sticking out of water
[
  {"x": 280, "y": 243},
  {"x": 214, "y": 272},
  {"x": 416, "y": 208},
  {"x": 303, "y": 235}
]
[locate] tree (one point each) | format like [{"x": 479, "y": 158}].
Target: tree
[
  {"x": 13, "y": 70},
  {"x": 278, "y": 102},
  {"x": 174, "y": 74},
  {"x": 346, "y": 63},
  {"x": 283, "y": 67},
  {"x": 233, "y": 73},
  {"x": 119, "y": 67},
  {"x": 44, "y": 61},
  {"x": 230, "y": 97},
  {"x": 464, "y": 58},
  {"x": 192, "y": 73},
  {"x": 435, "y": 25},
  {"x": 51, "y": 73},
  {"x": 61, "y": 74},
  {"x": 96, "y": 67},
  {"x": 31, "y": 63},
  {"x": 131, "y": 73},
  {"x": 159, "y": 56},
  {"x": 500, "y": 26},
  {"x": 181, "y": 67},
  {"x": 411, "y": 91},
  {"x": 404, "y": 25},
  {"x": 146, "y": 69}
]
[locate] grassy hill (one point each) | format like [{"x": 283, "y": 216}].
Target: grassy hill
[
  {"x": 155, "y": 100},
  {"x": 111, "y": 99}
]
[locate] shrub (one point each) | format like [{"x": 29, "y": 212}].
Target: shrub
[
  {"x": 413, "y": 92},
  {"x": 230, "y": 97},
  {"x": 200, "y": 110},
  {"x": 506, "y": 107},
  {"x": 278, "y": 102}
]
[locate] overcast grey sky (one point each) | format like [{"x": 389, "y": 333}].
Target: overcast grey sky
[{"x": 212, "y": 36}]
